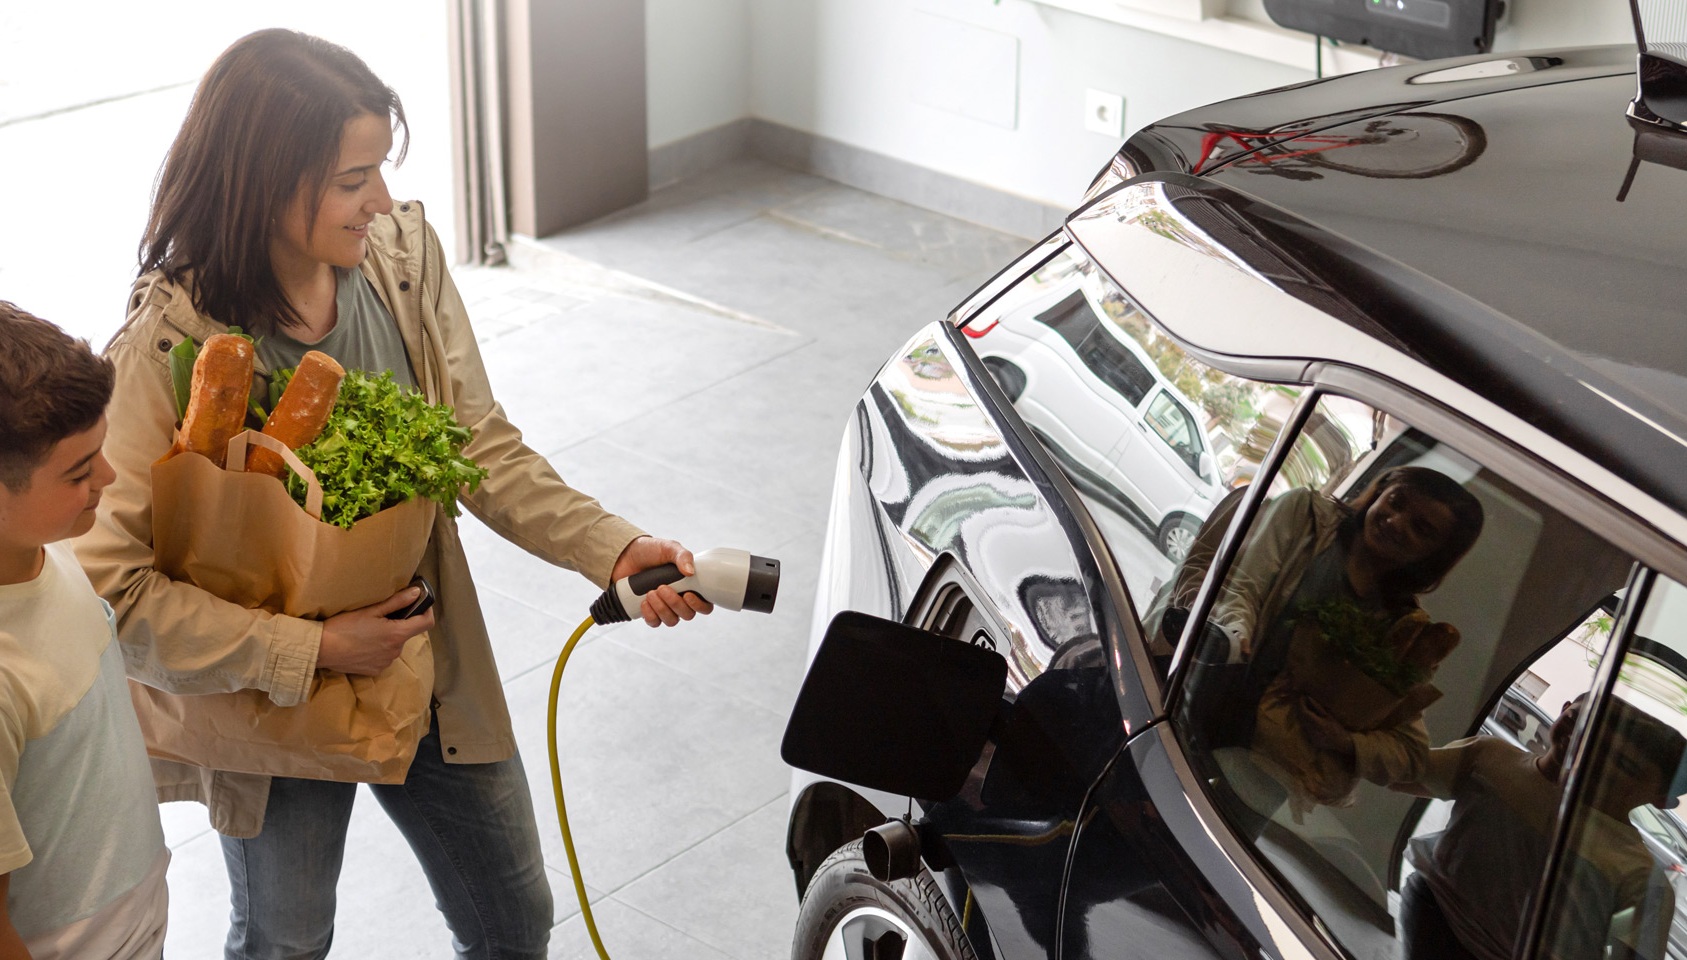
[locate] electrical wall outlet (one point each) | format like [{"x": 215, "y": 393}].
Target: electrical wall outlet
[{"x": 1104, "y": 113}]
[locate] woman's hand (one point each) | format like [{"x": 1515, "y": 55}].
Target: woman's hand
[
  {"x": 661, "y": 606},
  {"x": 364, "y": 642},
  {"x": 1324, "y": 731}
]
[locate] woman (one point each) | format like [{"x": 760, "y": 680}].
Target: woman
[
  {"x": 1322, "y": 607},
  {"x": 271, "y": 214}
]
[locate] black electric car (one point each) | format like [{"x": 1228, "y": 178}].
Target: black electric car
[{"x": 1416, "y": 668}]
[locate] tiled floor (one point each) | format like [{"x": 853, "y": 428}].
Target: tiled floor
[{"x": 691, "y": 362}]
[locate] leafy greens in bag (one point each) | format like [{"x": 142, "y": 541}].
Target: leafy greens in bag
[{"x": 383, "y": 445}]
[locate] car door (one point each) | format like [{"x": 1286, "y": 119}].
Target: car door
[{"x": 1279, "y": 811}]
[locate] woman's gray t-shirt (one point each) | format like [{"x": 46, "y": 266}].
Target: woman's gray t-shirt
[{"x": 365, "y": 336}]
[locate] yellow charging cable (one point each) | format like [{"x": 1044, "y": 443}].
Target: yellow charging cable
[{"x": 556, "y": 787}]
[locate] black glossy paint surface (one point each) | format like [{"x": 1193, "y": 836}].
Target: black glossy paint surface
[
  {"x": 1144, "y": 873},
  {"x": 1183, "y": 142},
  {"x": 1525, "y": 240},
  {"x": 932, "y": 475},
  {"x": 1531, "y": 227}
]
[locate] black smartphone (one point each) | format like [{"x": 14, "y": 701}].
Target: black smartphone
[{"x": 421, "y": 604}]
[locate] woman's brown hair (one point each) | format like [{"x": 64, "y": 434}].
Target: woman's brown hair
[{"x": 264, "y": 126}]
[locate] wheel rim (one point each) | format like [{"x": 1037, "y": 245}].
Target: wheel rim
[
  {"x": 1178, "y": 541},
  {"x": 869, "y": 933}
]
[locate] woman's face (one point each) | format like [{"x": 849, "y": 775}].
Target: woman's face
[
  {"x": 1404, "y": 526},
  {"x": 354, "y": 194}
]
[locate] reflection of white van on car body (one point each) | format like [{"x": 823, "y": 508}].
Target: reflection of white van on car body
[{"x": 1104, "y": 408}]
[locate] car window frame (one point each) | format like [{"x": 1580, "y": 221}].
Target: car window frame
[
  {"x": 1493, "y": 450},
  {"x": 1635, "y": 597}
]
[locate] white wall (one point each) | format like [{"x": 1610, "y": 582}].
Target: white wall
[
  {"x": 1535, "y": 24},
  {"x": 856, "y": 71},
  {"x": 866, "y": 63},
  {"x": 697, "y": 65},
  {"x": 80, "y": 179}
]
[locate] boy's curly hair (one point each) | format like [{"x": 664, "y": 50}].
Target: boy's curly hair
[{"x": 52, "y": 386}]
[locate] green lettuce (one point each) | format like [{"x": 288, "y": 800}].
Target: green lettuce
[{"x": 382, "y": 445}]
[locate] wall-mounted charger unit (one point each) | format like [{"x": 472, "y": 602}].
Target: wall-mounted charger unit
[{"x": 1426, "y": 29}]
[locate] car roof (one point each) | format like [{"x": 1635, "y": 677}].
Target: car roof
[{"x": 1484, "y": 236}]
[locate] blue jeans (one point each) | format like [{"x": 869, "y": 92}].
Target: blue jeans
[{"x": 470, "y": 825}]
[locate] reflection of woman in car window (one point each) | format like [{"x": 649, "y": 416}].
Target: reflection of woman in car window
[{"x": 1322, "y": 606}]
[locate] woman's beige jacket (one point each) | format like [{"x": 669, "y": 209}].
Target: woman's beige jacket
[{"x": 180, "y": 638}]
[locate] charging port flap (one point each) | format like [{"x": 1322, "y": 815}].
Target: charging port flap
[{"x": 894, "y": 708}]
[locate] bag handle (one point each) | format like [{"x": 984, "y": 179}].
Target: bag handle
[{"x": 237, "y": 464}]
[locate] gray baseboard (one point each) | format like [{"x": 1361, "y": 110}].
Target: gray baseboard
[
  {"x": 855, "y": 167},
  {"x": 673, "y": 162}
]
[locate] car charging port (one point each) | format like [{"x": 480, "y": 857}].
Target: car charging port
[{"x": 892, "y": 850}]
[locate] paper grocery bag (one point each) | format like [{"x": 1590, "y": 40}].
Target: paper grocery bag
[{"x": 241, "y": 537}]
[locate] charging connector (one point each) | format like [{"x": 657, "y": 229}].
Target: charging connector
[{"x": 733, "y": 579}]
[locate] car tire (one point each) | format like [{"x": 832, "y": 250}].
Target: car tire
[
  {"x": 847, "y": 913},
  {"x": 1176, "y": 535}
]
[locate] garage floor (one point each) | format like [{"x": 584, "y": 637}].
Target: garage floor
[{"x": 691, "y": 362}]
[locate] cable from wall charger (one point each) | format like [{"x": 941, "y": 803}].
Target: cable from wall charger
[{"x": 556, "y": 788}]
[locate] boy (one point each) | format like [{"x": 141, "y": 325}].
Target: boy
[
  {"x": 82, "y": 854},
  {"x": 1476, "y": 878}
]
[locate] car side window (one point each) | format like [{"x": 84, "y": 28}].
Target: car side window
[
  {"x": 1621, "y": 888},
  {"x": 1395, "y": 618},
  {"x": 1151, "y": 439}
]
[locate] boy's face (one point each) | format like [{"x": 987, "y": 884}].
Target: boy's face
[{"x": 63, "y": 491}]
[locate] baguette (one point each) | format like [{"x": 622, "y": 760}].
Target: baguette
[
  {"x": 216, "y": 406},
  {"x": 302, "y": 411}
]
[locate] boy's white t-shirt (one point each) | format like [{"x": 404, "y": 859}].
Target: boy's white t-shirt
[{"x": 79, "y": 828}]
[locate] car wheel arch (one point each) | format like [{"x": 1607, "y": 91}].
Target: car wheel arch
[{"x": 825, "y": 816}]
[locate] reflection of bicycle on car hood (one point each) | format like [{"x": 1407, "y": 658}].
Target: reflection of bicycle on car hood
[
  {"x": 1130, "y": 437},
  {"x": 1392, "y": 147}
]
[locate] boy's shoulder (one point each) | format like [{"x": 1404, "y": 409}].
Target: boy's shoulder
[{"x": 53, "y": 631}]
